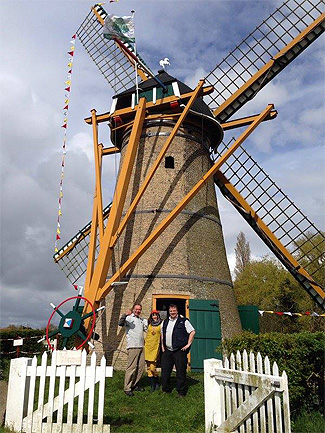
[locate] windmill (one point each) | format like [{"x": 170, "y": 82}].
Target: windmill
[{"x": 161, "y": 235}]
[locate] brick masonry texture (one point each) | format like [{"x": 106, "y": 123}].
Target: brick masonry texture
[{"x": 192, "y": 245}]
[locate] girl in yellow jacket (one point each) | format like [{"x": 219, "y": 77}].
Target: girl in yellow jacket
[{"x": 151, "y": 348}]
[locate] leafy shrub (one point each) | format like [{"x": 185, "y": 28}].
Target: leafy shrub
[
  {"x": 29, "y": 348},
  {"x": 301, "y": 355}
]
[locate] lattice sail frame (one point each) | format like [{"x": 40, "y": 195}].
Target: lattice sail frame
[
  {"x": 287, "y": 221},
  {"x": 258, "y": 48},
  {"x": 105, "y": 53}
]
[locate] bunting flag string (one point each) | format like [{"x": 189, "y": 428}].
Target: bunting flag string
[
  {"x": 288, "y": 313},
  {"x": 67, "y": 90}
]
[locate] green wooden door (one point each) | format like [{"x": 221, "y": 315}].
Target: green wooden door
[{"x": 205, "y": 317}]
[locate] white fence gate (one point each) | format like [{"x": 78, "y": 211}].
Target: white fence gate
[
  {"x": 43, "y": 398},
  {"x": 242, "y": 396}
]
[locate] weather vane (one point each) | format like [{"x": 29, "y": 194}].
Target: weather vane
[{"x": 164, "y": 63}]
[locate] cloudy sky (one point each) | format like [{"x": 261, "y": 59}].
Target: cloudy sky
[{"x": 194, "y": 35}]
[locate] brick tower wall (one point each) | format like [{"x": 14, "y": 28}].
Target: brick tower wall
[{"x": 189, "y": 258}]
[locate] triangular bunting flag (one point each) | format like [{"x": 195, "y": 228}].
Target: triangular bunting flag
[{"x": 67, "y": 89}]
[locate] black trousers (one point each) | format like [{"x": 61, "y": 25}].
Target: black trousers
[{"x": 168, "y": 359}]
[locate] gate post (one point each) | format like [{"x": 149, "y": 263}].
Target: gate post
[
  {"x": 17, "y": 397},
  {"x": 213, "y": 397}
]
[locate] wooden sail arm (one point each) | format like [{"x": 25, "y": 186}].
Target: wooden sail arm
[
  {"x": 119, "y": 274},
  {"x": 269, "y": 238},
  {"x": 268, "y": 71},
  {"x": 245, "y": 121},
  {"x": 160, "y": 103}
]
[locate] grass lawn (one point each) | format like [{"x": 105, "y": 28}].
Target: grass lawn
[
  {"x": 155, "y": 412},
  {"x": 165, "y": 413}
]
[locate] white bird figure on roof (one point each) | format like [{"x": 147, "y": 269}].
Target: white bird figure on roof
[{"x": 164, "y": 62}]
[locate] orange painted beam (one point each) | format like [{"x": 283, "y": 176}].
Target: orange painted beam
[
  {"x": 154, "y": 167},
  {"x": 160, "y": 103},
  {"x": 267, "y": 66},
  {"x": 105, "y": 253},
  {"x": 173, "y": 214},
  {"x": 270, "y": 235}
]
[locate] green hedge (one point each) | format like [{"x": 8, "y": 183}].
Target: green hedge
[
  {"x": 301, "y": 355},
  {"x": 28, "y": 349}
]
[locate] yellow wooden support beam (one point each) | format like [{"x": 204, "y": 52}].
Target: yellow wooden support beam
[
  {"x": 97, "y": 154},
  {"x": 111, "y": 150},
  {"x": 245, "y": 121},
  {"x": 154, "y": 167},
  {"x": 99, "y": 18},
  {"x": 267, "y": 66},
  {"x": 269, "y": 234},
  {"x": 173, "y": 214},
  {"x": 105, "y": 253},
  {"x": 105, "y": 117},
  {"x": 92, "y": 242}
]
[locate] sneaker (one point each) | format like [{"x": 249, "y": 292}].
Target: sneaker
[
  {"x": 129, "y": 393},
  {"x": 138, "y": 389}
]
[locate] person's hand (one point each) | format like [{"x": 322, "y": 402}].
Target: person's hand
[
  {"x": 128, "y": 312},
  {"x": 162, "y": 348},
  {"x": 185, "y": 347}
]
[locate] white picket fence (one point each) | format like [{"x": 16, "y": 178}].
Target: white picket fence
[
  {"x": 242, "y": 396},
  {"x": 54, "y": 408}
]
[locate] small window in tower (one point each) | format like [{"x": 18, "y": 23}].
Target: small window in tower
[{"x": 169, "y": 162}]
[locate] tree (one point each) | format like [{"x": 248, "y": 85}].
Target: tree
[
  {"x": 243, "y": 254},
  {"x": 268, "y": 285},
  {"x": 310, "y": 253}
]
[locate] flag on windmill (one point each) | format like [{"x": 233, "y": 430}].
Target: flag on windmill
[{"x": 119, "y": 27}]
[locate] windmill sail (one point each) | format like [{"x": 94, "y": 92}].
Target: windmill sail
[
  {"x": 115, "y": 64},
  {"x": 291, "y": 236},
  {"x": 73, "y": 256},
  {"x": 263, "y": 54}
]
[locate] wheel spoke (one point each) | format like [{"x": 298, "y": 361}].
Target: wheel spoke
[
  {"x": 86, "y": 316},
  {"x": 64, "y": 344},
  {"x": 76, "y": 305},
  {"x": 82, "y": 335},
  {"x": 59, "y": 313}
]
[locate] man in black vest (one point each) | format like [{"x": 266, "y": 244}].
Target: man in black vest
[{"x": 176, "y": 339}]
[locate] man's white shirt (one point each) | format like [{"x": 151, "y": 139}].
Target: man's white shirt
[{"x": 169, "y": 330}]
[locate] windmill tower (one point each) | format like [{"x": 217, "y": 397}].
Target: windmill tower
[
  {"x": 175, "y": 268},
  {"x": 161, "y": 237}
]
